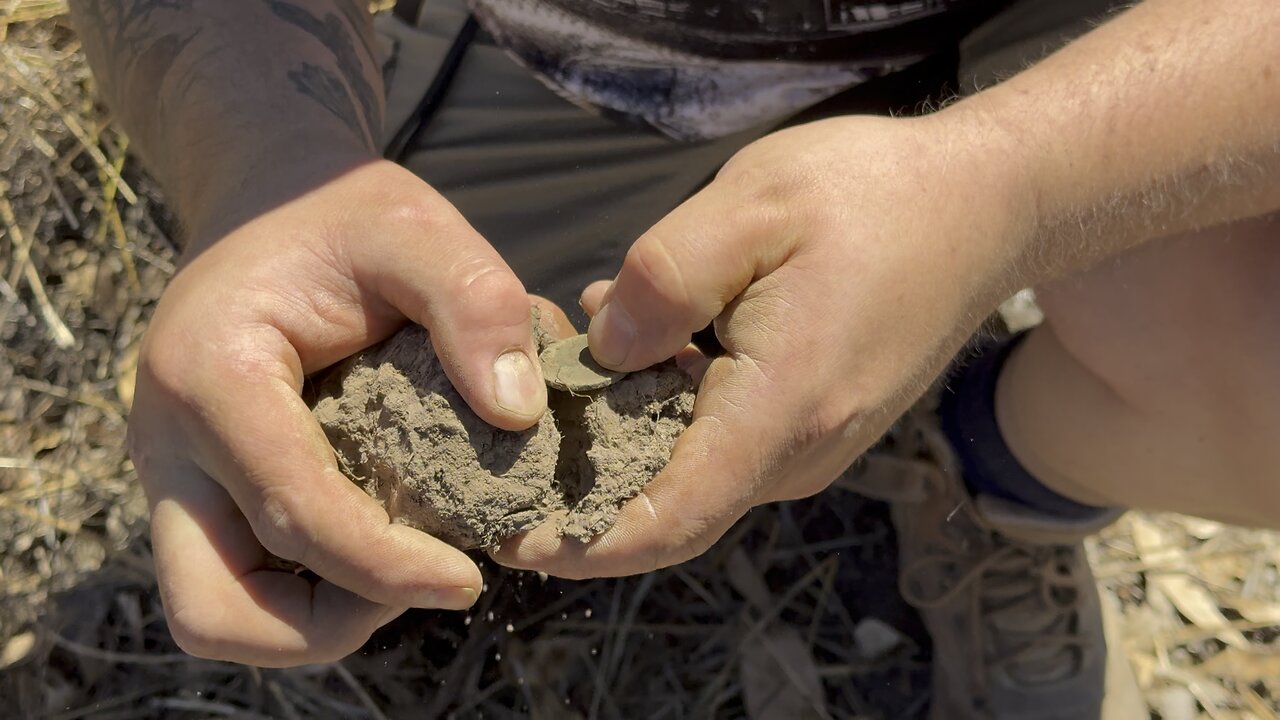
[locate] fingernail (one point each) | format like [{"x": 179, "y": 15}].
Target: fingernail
[
  {"x": 518, "y": 385},
  {"x": 449, "y": 598},
  {"x": 611, "y": 334}
]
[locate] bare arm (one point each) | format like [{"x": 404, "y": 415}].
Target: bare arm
[
  {"x": 236, "y": 100},
  {"x": 1163, "y": 120}
]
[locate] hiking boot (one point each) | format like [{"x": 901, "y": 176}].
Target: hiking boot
[{"x": 1005, "y": 592}]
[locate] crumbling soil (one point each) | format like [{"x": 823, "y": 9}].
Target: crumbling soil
[{"x": 404, "y": 434}]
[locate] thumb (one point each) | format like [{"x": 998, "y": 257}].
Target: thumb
[
  {"x": 439, "y": 272},
  {"x": 681, "y": 274}
]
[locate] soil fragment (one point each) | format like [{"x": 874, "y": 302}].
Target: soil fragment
[{"x": 404, "y": 434}]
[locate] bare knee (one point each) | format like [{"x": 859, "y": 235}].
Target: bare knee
[{"x": 1184, "y": 335}]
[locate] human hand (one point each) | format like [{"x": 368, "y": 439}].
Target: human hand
[
  {"x": 234, "y": 465},
  {"x": 842, "y": 263}
]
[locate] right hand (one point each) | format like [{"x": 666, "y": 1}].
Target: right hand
[{"x": 234, "y": 465}]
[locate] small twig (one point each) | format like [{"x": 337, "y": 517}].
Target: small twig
[
  {"x": 124, "y": 657},
  {"x": 359, "y": 690},
  {"x": 623, "y": 628},
  {"x": 111, "y": 222},
  {"x": 285, "y": 704},
  {"x": 44, "y": 517},
  {"x": 1256, "y": 704},
  {"x": 698, "y": 588},
  {"x": 655, "y": 628},
  {"x": 602, "y": 666},
  {"x": 521, "y": 674},
  {"x": 94, "y": 401},
  {"x": 61, "y": 200},
  {"x": 23, "y": 76},
  {"x": 97, "y": 707},
  {"x": 204, "y": 706},
  {"x": 13, "y": 463},
  {"x": 62, "y": 337}
]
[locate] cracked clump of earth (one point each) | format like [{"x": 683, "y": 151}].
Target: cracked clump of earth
[{"x": 404, "y": 434}]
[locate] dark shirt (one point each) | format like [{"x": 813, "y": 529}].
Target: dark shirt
[{"x": 706, "y": 68}]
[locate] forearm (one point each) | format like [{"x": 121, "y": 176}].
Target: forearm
[
  {"x": 1163, "y": 120},
  {"x": 233, "y": 104}
]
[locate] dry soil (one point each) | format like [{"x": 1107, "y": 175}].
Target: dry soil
[{"x": 404, "y": 434}]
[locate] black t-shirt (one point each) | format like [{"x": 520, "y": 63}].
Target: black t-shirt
[
  {"x": 805, "y": 30},
  {"x": 705, "y": 68}
]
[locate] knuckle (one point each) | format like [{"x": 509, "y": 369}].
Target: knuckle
[
  {"x": 196, "y": 635},
  {"x": 180, "y": 375},
  {"x": 651, "y": 262},
  {"x": 843, "y": 420},
  {"x": 486, "y": 281},
  {"x": 778, "y": 198},
  {"x": 277, "y": 529},
  {"x": 414, "y": 212},
  {"x": 767, "y": 188},
  {"x": 165, "y": 367}
]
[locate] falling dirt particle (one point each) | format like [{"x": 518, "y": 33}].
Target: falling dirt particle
[{"x": 405, "y": 435}]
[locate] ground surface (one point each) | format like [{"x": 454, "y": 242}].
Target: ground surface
[{"x": 795, "y": 612}]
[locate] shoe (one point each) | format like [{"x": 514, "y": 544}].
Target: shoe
[{"x": 1005, "y": 592}]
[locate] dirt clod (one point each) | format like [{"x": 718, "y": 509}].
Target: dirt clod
[
  {"x": 403, "y": 433},
  {"x": 630, "y": 428}
]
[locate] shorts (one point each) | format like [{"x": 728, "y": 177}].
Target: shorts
[{"x": 562, "y": 192}]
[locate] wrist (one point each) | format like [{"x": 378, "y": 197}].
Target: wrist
[
  {"x": 993, "y": 172},
  {"x": 230, "y": 188}
]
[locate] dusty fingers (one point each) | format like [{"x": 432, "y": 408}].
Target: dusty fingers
[
  {"x": 681, "y": 274},
  {"x": 447, "y": 278}
]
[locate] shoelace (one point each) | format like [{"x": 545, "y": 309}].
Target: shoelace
[
  {"x": 916, "y": 472},
  {"x": 1039, "y": 568}
]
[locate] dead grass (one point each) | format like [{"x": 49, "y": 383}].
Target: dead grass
[
  {"x": 1201, "y": 608},
  {"x": 794, "y": 614}
]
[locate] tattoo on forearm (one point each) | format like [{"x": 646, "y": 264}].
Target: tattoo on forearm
[
  {"x": 325, "y": 87},
  {"x": 125, "y": 38},
  {"x": 126, "y": 34},
  {"x": 140, "y": 42}
]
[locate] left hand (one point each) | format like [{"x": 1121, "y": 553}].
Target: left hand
[{"x": 843, "y": 263}]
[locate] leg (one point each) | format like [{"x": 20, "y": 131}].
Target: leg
[{"x": 1153, "y": 383}]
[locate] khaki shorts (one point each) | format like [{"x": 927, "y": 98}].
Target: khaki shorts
[{"x": 562, "y": 192}]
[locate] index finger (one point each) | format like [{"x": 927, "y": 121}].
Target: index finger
[{"x": 683, "y": 272}]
